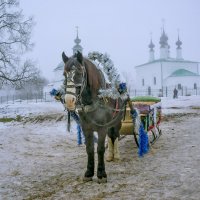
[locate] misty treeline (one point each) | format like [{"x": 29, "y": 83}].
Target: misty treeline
[{"x": 15, "y": 40}]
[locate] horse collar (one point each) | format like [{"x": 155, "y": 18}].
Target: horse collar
[{"x": 88, "y": 108}]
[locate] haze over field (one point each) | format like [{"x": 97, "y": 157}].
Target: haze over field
[{"x": 121, "y": 28}]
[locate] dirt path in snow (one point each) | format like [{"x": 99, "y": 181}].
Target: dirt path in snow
[{"x": 39, "y": 161}]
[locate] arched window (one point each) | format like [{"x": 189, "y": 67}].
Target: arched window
[
  {"x": 149, "y": 90},
  {"x": 154, "y": 80},
  {"x": 142, "y": 82},
  {"x": 195, "y": 86}
]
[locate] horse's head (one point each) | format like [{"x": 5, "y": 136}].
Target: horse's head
[
  {"x": 74, "y": 73},
  {"x": 83, "y": 78},
  {"x": 74, "y": 69}
]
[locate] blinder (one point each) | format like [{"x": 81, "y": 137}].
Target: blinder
[{"x": 76, "y": 81}]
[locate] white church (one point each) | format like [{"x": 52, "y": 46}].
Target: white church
[
  {"x": 58, "y": 71},
  {"x": 157, "y": 74},
  {"x": 167, "y": 72}
]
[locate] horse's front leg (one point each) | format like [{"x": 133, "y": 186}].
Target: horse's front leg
[
  {"x": 101, "y": 173},
  {"x": 90, "y": 155}
]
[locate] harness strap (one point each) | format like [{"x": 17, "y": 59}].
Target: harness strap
[
  {"x": 70, "y": 86},
  {"x": 68, "y": 92},
  {"x": 116, "y": 108}
]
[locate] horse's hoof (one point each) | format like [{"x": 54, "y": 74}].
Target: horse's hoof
[
  {"x": 109, "y": 160},
  {"x": 117, "y": 160},
  {"x": 102, "y": 180},
  {"x": 87, "y": 179}
]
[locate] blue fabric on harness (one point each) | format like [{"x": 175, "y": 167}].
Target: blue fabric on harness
[
  {"x": 54, "y": 92},
  {"x": 143, "y": 136},
  {"x": 75, "y": 116}
]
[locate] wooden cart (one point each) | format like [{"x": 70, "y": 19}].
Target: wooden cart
[{"x": 150, "y": 115}]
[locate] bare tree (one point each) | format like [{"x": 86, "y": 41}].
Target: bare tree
[
  {"x": 15, "y": 35},
  {"x": 34, "y": 86}
]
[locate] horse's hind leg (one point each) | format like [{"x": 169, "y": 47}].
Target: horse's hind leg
[
  {"x": 101, "y": 173},
  {"x": 110, "y": 151},
  {"x": 113, "y": 144},
  {"x": 90, "y": 154}
]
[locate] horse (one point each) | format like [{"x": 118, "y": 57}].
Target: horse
[{"x": 102, "y": 115}]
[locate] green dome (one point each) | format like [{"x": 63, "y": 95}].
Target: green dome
[{"x": 183, "y": 72}]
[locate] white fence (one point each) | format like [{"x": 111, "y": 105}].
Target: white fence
[{"x": 165, "y": 92}]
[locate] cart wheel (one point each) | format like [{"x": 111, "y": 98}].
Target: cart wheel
[
  {"x": 159, "y": 131},
  {"x": 152, "y": 137}
]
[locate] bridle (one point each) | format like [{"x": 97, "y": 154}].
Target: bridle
[{"x": 78, "y": 87}]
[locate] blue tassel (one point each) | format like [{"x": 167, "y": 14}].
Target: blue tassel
[
  {"x": 143, "y": 141},
  {"x": 79, "y": 139},
  {"x": 79, "y": 130},
  {"x": 75, "y": 116}
]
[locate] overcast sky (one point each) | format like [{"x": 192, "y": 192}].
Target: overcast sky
[{"x": 119, "y": 27}]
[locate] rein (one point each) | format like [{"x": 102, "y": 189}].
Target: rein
[{"x": 116, "y": 115}]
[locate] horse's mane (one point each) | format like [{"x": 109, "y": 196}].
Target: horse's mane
[{"x": 95, "y": 78}]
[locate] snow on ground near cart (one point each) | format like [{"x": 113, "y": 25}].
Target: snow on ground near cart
[
  {"x": 34, "y": 152},
  {"x": 184, "y": 104},
  {"x": 29, "y": 109}
]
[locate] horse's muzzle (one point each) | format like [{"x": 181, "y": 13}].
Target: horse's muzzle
[{"x": 70, "y": 101}]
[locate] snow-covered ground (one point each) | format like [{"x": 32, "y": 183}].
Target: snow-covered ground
[
  {"x": 181, "y": 105},
  {"x": 24, "y": 109},
  {"x": 29, "y": 109},
  {"x": 39, "y": 159}
]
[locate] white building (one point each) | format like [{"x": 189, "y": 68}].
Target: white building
[
  {"x": 166, "y": 71},
  {"x": 58, "y": 71}
]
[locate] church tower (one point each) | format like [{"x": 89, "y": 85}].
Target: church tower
[
  {"x": 77, "y": 47},
  {"x": 151, "y": 51},
  {"x": 164, "y": 47},
  {"x": 179, "y": 49}
]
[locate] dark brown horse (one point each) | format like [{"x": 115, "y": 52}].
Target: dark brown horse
[{"x": 103, "y": 115}]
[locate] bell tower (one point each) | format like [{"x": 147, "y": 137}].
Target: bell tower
[
  {"x": 179, "y": 49},
  {"x": 77, "y": 47},
  {"x": 164, "y": 47},
  {"x": 151, "y": 50}
]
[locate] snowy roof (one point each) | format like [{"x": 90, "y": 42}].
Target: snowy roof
[
  {"x": 167, "y": 60},
  {"x": 60, "y": 66},
  {"x": 183, "y": 72}
]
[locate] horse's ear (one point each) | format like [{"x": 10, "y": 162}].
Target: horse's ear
[
  {"x": 79, "y": 56},
  {"x": 64, "y": 57}
]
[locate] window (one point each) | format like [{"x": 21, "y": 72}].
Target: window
[
  {"x": 195, "y": 86},
  {"x": 142, "y": 82},
  {"x": 154, "y": 80},
  {"x": 149, "y": 90},
  {"x": 179, "y": 86}
]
